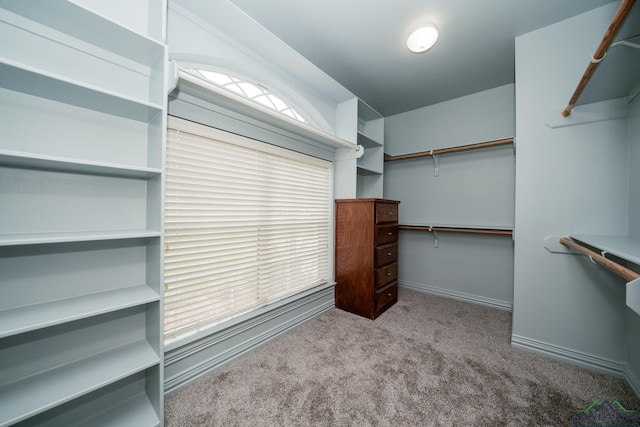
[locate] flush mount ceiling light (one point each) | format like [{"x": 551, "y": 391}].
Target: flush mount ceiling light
[{"x": 423, "y": 38}]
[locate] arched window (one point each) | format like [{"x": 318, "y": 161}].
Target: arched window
[{"x": 250, "y": 90}]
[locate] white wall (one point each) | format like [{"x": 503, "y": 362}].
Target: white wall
[
  {"x": 634, "y": 170},
  {"x": 483, "y": 116},
  {"x": 475, "y": 188},
  {"x": 191, "y": 39},
  {"x": 572, "y": 179},
  {"x": 633, "y": 318}
]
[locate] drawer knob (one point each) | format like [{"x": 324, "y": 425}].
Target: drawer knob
[
  {"x": 389, "y": 294},
  {"x": 389, "y": 213},
  {"x": 389, "y": 234},
  {"x": 388, "y": 253},
  {"x": 389, "y": 273}
]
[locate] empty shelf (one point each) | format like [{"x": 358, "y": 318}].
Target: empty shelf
[
  {"x": 76, "y": 236},
  {"x": 362, "y": 170},
  {"x": 367, "y": 142},
  {"x": 621, "y": 246},
  {"x": 22, "y": 319},
  {"x": 37, "y": 393},
  {"x": 134, "y": 412},
  {"x": 53, "y": 163},
  {"x": 41, "y": 83},
  {"x": 83, "y": 24}
]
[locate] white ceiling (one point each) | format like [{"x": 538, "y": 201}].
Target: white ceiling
[{"x": 361, "y": 43}]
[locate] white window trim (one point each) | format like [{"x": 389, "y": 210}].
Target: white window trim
[
  {"x": 263, "y": 92},
  {"x": 214, "y": 94}
]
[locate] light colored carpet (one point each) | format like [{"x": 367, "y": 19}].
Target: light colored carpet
[{"x": 427, "y": 361}]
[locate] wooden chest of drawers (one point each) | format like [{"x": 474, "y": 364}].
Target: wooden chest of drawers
[{"x": 366, "y": 263}]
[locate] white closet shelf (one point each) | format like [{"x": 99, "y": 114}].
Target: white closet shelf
[
  {"x": 76, "y": 236},
  {"x": 623, "y": 247},
  {"x": 53, "y": 163},
  {"x": 26, "y": 318},
  {"x": 38, "y": 393},
  {"x": 367, "y": 142},
  {"x": 89, "y": 26},
  {"x": 362, "y": 170},
  {"x": 136, "y": 411},
  {"x": 37, "y": 82}
]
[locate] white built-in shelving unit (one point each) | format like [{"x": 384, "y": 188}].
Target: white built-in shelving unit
[
  {"x": 359, "y": 174},
  {"x": 83, "y": 113},
  {"x": 371, "y": 164}
]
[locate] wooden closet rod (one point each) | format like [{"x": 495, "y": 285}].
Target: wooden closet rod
[
  {"x": 621, "y": 271},
  {"x": 450, "y": 150},
  {"x": 614, "y": 27},
  {"x": 457, "y": 230}
]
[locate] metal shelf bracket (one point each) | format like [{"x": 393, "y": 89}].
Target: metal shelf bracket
[
  {"x": 436, "y": 241},
  {"x": 436, "y": 170}
]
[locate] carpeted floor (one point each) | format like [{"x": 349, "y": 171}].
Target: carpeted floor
[{"x": 427, "y": 361}]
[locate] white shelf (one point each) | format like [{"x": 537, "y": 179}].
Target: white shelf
[
  {"x": 88, "y": 26},
  {"x": 367, "y": 142},
  {"x": 38, "y": 393},
  {"x": 621, "y": 246},
  {"x": 53, "y": 163},
  {"x": 362, "y": 170},
  {"x": 30, "y": 80},
  {"x": 134, "y": 412},
  {"x": 44, "y": 238},
  {"x": 85, "y": 97},
  {"x": 23, "y": 319}
]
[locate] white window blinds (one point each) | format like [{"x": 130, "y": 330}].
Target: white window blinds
[{"x": 246, "y": 224}]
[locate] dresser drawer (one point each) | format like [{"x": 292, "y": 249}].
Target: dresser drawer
[
  {"x": 386, "y": 212},
  {"x": 386, "y": 296},
  {"x": 388, "y": 234},
  {"x": 386, "y": 254},
  {"x": 386, "y": 275}
]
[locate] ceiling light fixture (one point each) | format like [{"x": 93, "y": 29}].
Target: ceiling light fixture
[{"x": 423, "y": 38}]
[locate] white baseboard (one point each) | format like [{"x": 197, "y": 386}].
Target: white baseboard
[
  {"x": 632, "y": 380},
  {"x": 574, "y": 357},
  {"x": 476, "y": 299}
]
